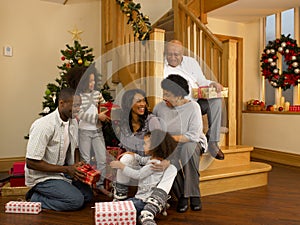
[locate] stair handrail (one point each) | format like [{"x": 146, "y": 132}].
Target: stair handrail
[{"x": 202, "y": 26}]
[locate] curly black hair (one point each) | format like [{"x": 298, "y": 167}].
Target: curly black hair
[{"x": 126, "y": 105}]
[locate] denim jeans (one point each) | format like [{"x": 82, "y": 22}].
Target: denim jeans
[
  {"x": 138, "y": 204},
  {"x": 93, "y": 140},
  {"x": 60, "y": 195}
]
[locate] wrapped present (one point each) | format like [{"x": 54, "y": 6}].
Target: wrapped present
[
  {"x": 107, "y": 106},
  {"x": 17, "y": 172},
  {"x": 114, "y": 151},
  {"x": 23, "y": 207},
  {"x": 92, "y": 175},
  {"x": 207, "y": 92},
  {"x": 115, "y": 213},
  {"x": 294, "y": 108}
]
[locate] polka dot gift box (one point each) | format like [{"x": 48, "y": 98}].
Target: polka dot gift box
[
  {"x": 115, "y": 213},
  {"x": 23, "y": 207}
]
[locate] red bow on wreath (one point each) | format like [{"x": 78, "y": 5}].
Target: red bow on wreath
[{"x": 288, "y": 48}]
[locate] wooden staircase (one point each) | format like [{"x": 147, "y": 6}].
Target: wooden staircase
[{"x": 235, "y": 172}]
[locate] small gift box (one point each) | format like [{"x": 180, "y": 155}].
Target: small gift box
[
  {"x": 115, "y": 213},
  {"x": 23, "y": 207},
  {"x": 17, "y": 178},
  {"x": 209, "y": 92},
  {"x": 294, "y": 108},
  {"x": 107, "y": 106},
  {"x": 92, "y": 175}
]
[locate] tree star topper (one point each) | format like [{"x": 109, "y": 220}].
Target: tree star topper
[{"x": 76, "y": 34}]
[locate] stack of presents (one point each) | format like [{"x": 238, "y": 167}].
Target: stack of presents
[{"x": 15, "y": 184}]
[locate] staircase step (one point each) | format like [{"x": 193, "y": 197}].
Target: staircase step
[
  {"x": 216, "y": 181},
  {"x": 167, "y": 25},
  {"x": 237, "y": 155},
  {"x": 168, "y": 16}
]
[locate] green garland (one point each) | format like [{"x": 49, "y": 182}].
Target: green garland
[
  {"x": 288, "y": 48},
  {"x": 140, "y": 23}
]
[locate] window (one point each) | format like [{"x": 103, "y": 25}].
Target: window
[{"x": 286, "y": 26}]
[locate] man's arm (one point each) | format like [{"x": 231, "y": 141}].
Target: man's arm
[{"x": 43, "y": 166}]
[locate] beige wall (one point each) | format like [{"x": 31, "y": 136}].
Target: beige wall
[
  {"x": 272, "y": 131},
  {"x": 250, "y": 34},
  {"x": 154, "y": 8},
  {"x": 37, "y": 31}
]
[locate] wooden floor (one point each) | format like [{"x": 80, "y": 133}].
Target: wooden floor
[{"x": 275, "y": 204}]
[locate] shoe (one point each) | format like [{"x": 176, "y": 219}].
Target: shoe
[
  {"x": 215, "y": 151},
  {"x": 195, "y": 203},
  {"x": 182, "y": 205},
  {"x": 102, "y": 190},
  {"x": 220, "y": 155}
]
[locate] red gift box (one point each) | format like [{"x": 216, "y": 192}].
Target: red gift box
[
  {"x": 92, "y": 175},
  {"x": 107, "y": 106},
  {"x": 17, "y": 178},
  {"x": 23, "y": 207},
  {"x": 115, "y": 213}
]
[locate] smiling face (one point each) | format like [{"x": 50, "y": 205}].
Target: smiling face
[
  {"x": 138, "y": 104},
  {"x": 170, "y": 99},
  {"x": 174, "y": 53}
]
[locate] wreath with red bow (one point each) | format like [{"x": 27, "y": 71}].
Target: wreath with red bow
[{"x": 288, "y": 48}]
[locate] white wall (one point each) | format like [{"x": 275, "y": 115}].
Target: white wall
[
  {"x": 37, "y": 31},
  {"x": 272, "y": 131}
]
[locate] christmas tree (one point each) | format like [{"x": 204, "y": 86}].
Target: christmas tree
[
  {"x": 76, "y": 58},
  {"x": 72, "y": 56}
]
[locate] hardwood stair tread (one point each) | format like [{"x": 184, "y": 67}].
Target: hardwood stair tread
[
  {"x": 251, "y": 168},
  {"x": 236, "y": 148}
]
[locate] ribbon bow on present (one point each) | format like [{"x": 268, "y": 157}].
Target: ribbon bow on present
[{"x": 107, "y": 106}]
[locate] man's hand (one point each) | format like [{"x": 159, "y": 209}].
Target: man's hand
[
  {"x": 217, "y": 86},
  {"x": 160, "y": 166},
  {"x": 76, "y": 174}
]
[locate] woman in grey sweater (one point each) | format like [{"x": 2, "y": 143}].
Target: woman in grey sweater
[{"x": 182, "y": 119}]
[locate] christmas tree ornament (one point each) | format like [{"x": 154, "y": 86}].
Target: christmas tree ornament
[
  {"x": 76, "y": 34},
  {"x": 79, "y": 61}
]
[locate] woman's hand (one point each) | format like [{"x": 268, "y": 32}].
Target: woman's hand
[
  {"x": 160, "y": 166},
  {"x": 117, "y": 165}
]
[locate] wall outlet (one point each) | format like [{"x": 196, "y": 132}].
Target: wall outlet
[{"x": 7, "y": 50}]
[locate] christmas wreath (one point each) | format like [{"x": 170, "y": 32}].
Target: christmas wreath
[{"x": 288, "y": 48}]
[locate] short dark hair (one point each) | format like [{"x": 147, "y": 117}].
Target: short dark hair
[
  {"x": 176, "y": 84},
  {"x": 66, "y": 94}
]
